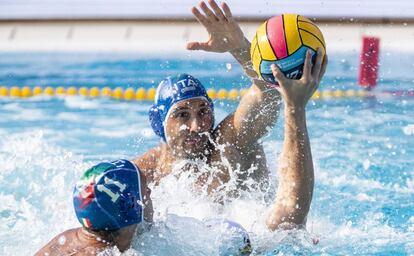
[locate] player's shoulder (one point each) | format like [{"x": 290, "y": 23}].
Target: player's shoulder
[
  {"x": 148, "y": 162},
  {"x": 224, "y": 131},
  {"x": 226, "y": 134},
  {"x": 149, "y": 159},
  {"x": 59, "y": 243}
]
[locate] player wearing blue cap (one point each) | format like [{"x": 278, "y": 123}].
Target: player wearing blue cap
[
  {"x": 183, "y": 117},
  {"x": 110, "y": 197},
  {"x": 111, "y": 202}
]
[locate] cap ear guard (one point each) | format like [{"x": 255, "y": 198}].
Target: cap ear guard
[{"x": 156, "y": 122}]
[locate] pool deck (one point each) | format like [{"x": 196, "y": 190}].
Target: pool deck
[{"x": 171, "y": 36}]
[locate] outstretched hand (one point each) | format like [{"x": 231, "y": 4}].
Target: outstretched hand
[
  {"x": 297, "y": 93},
  {"x": 224, "y": 32}
]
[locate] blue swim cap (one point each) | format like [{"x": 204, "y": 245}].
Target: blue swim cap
[
  {"x": 171, "y": 90},
  {"x": 108, "y": 196}
]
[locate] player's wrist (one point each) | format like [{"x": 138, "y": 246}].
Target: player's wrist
[
  {"x": 294, "y": 109},
  {"x": 241, "y": 50}
]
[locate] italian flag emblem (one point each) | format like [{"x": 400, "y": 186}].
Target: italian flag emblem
[{"x": 86, "y": 223}]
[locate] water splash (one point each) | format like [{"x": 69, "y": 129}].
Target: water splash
[
  {"x": 358, "y": 208},
  {"x": 36, "y": 180}
]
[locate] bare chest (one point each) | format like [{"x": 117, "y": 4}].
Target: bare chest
[{"x": 222, "y": 162}]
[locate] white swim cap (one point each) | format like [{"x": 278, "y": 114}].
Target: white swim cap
[{"x": 232, "y": 238}]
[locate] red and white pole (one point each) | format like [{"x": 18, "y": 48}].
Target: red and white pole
[{"x": 368, "y": 69}]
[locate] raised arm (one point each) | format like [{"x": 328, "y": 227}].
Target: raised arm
[
  {"x": 258, "y": 109},
  {"x": 296, "y": 178}
]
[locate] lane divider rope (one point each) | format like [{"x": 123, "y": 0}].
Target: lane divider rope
[{"x": 141, "y": 94}]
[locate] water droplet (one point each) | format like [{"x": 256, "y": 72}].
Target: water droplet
[
  {"x": 366, "y": 164},
  {"x": 62, "y": 240},
  {"x": 139, "y": 202},
  {"x": 409, "y": 129}
]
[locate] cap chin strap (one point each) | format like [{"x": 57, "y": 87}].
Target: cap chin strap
[
  {"x": 140, "y": 193},
  {"x": 169, "y": 113}
]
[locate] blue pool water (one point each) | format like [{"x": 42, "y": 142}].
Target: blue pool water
[{"x": 363, "y": 152}]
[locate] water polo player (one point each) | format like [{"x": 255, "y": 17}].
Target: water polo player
[
  {"x": 183, "y": 115},
  {"x": 111, "y": 202}
]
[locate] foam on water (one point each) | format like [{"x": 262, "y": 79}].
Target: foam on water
[
  {"x": 80, "y": 103},
  {"x": 37, "y": 178},
  {"x": 37, "y": 181}
]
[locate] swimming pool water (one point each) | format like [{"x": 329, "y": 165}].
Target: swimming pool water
[{"x": 363, "y": 151}]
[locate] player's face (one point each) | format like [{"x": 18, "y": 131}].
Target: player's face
[{"x": 188, "y": 127}]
